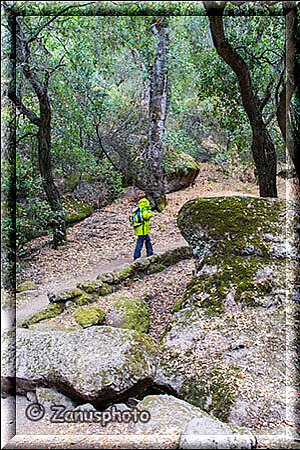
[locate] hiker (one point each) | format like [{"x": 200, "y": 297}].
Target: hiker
[{"x": 139, "y": 219}]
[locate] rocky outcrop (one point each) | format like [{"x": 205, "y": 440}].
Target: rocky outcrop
[
  {"x": 27, "y": 285},
  {"x": 226, "y": 345},
  {"x": 95, "y": 365},
  {"x": 207, "y": 432}
]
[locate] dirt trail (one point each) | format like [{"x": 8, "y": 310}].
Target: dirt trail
[{"x": 105, "y": 240}]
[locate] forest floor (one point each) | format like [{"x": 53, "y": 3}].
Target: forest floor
[{"x": 103, "y": 242}]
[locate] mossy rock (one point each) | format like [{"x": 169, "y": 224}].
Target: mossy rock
[
  {"x": 247, "y": 226},
  {"x": 49, "y": 312},
  {"x": 95, "y": 287},
  {"x": 174, "y": 255},
  {"x": 129, "y": 313},
  {"x": 161, "y": 203},
  {"x": 181, "y": 170},
  {"x": 65, "y": 295},
  {"x": 71, "y": 181},
  {"x": 75, "y": 210},
  {"x": 123, "y": 273},
  {"x": 85, "y": 299},
  {"x": 88, "y": 316},
  {"x": 214, "y": 386},
  {"x": 27, "y": 285},
  {"x": 247, "y": 281},
  {"x": 155, "y": 268},
  {"x": 107, "y": 278}
]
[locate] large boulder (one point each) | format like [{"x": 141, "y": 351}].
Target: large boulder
[
  {"x": 182, "y": 170},
  {"x": 225, "y": 348},
  {"x": 96, "y": 365},
  {"x": 168, "y": 415},
  {"x": 242, "y": 226}
]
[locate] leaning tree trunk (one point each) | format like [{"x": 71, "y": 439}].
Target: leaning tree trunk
[
  {"x": 157, "y": 116},
  {"x": 263, "y": 148}
]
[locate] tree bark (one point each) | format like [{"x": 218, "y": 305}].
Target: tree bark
[
  {"x": 284, "y": 112},
  {"x": 157, "y": 116},
  {"x": 262, "y": 147},
  {"x": 44, "y": 157},
  {"x": 43, "y": 122}
]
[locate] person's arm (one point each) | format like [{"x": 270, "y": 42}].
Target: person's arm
[{"x": 146, "y": 213}]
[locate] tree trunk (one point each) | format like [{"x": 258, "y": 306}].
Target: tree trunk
[
  {"x": 284, "y": 112},
  {"x": 22, "y": 57},
  {"x": 157, "y": 116},
  {"x": 263, "y": 148},
  {"x": 44, "y": 146},
  {"x": 265, "y": 160}
]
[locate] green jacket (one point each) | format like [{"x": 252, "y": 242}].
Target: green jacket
[{"x": 146, "y": 213}]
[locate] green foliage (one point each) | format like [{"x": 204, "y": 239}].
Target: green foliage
[
  {"x": 33, "y": 213},
  {"x": 111, "y": 179},
  {"x": 99, "y": 87}
]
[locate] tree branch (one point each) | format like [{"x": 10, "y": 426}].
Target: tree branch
[
  {"x": 59, "y": 13},
  {"x": 104, "y": 151},
  {"x": 24, "y": 136},
  {"x": 16, "y": 99}
]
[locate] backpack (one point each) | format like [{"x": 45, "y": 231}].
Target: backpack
[{"x": 135, "y": 218}]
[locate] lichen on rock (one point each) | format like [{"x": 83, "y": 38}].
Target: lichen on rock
[{"x": 81, "y": 363}]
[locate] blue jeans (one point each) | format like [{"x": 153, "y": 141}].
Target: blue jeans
[{"x": 139, "y": 245}]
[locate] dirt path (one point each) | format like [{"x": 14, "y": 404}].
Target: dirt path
[{"x": 105, "y": 240}]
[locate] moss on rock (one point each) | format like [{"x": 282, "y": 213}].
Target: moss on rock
[
  {"x": 123, "y": 273},
  {"x": 27, "y": 285},
  {"x": 47, "y": 313},
  {"x": 174, "y": 255},
  {"x": 65, "y": 295},
  {"x": 95, "y": 287},
  {"x": 214, "y": 394},
  {"x": 238, "y": 225},
  {"x": 155, "y": 268},
  {"x": 130, "y": 313},
  {"x": 71, "y": 181},
  {"x": 88, "y": 316},
  {"x": 248, "y": 280},
  {"x": 75, "y": 210}
]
